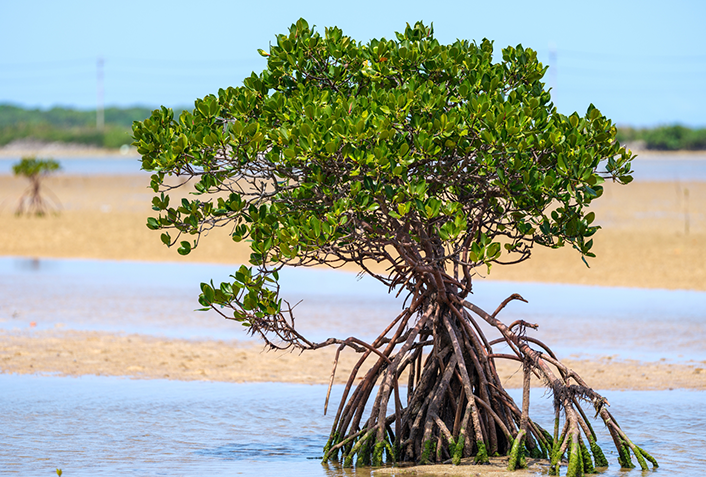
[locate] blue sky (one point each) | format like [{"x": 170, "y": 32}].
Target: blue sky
[{"x": 641, "y": 63}]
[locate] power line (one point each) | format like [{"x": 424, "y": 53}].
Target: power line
[
  {"x": 43, "y": 63},
  {"x": 621, "y": 56}
]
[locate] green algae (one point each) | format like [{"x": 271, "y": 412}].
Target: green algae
[
  {"x": 429, "y": 449},
  {"x": 624, "y": 456},
  {"x": 457, "y": 450},
  {"x": 586, "y": 457},
  {"x": 575, "y": 468},
  {"x": 333, "y": 440},
  {"x": 598, "y": 454},
  {"x": 364, "y": 457},
  {"x": 482, "y": 455},
  {"x": 648, "y": 457},
  {"x": 555, "y": 459},
  {"x": 640, "y": 459},
  {"x": 517, "y": 453},
  {"x": 378, "y": 452}
]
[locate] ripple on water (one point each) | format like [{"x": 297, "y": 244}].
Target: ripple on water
[{"x": 107, "y": 426}]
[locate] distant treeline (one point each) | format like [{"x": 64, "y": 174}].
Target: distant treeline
[
  {"x": 79, "y": 126},
  {"x": 665, "y": 138},
  {"x": 69, "y": 125}
]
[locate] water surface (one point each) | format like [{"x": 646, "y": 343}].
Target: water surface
[
  {"x": 663, "y": 167},
  {"x": 160, "y": 298},
  {"x": 90, "y": 166},
  {"x": 93, "y": 426},
  {"x": 670, "y": 167},
  {"x": 110, "y": 426}
]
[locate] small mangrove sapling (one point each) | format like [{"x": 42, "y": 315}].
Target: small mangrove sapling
[{"x": 31, "y": 201}]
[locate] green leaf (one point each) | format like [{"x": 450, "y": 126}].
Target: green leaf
[
  {"x": 185, "y": 248},
  {"x": 404, "y": 149},
  {"x": 561, "y": 163},
  {"x": 360, "y": 126},
  {"x": 316, "y": 224},
  {"x": 208, "y": 293}
]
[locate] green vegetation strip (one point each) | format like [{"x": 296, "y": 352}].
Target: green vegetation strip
[{"x": 69, "y": 125}]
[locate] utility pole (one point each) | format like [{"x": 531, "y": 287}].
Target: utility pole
[
  {"x": 100, "y": 113},
  {"x": 553, "y": 69}
]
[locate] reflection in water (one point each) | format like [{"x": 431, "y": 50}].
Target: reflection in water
[
  {"x": 109, "y": 426},
  {"x": 31, "y": 264}
]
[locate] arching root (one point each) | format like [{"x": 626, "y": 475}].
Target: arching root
[{"x": 456, "y": 406}]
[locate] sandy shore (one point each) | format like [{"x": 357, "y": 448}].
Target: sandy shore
[
  {"x": 654, "y": 236},
  {"x": 76, "y": 353}
]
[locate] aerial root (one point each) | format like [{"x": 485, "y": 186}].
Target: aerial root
[
  {"x": 456, "y": 406},
  {"x": 625, "y": 445},
  {"x": 517, "y": 456}
]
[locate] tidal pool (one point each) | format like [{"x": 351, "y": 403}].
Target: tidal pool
[{"x": 93, "y": 426}]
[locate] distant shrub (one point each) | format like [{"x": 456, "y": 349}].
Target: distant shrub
[{"x": 31, "y": 201}]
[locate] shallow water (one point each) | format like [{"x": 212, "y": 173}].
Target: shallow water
[
  {"x": 94, "y": 426},
  {"x": 108, "y": 426},
  {"x": 160, "y": 298},
  {"x": 90, "y": 166},
  {"x": 665, "y": 167},
  {"x": 670, "y": 167}
]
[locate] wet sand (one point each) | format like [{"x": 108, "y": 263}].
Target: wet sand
[
  {"x": 497, "y": 467},
  {"x": 77, "y": 353},
  {"x": 653, "y": 236}
]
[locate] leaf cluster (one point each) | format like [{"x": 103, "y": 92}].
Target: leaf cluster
[{"x": 430, "y": 158}]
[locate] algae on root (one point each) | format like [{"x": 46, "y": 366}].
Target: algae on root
[
  {"x": 429, "y": 449},
  {"x": 457, "y": 450},
  {"x": 482, "y": 455}
]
